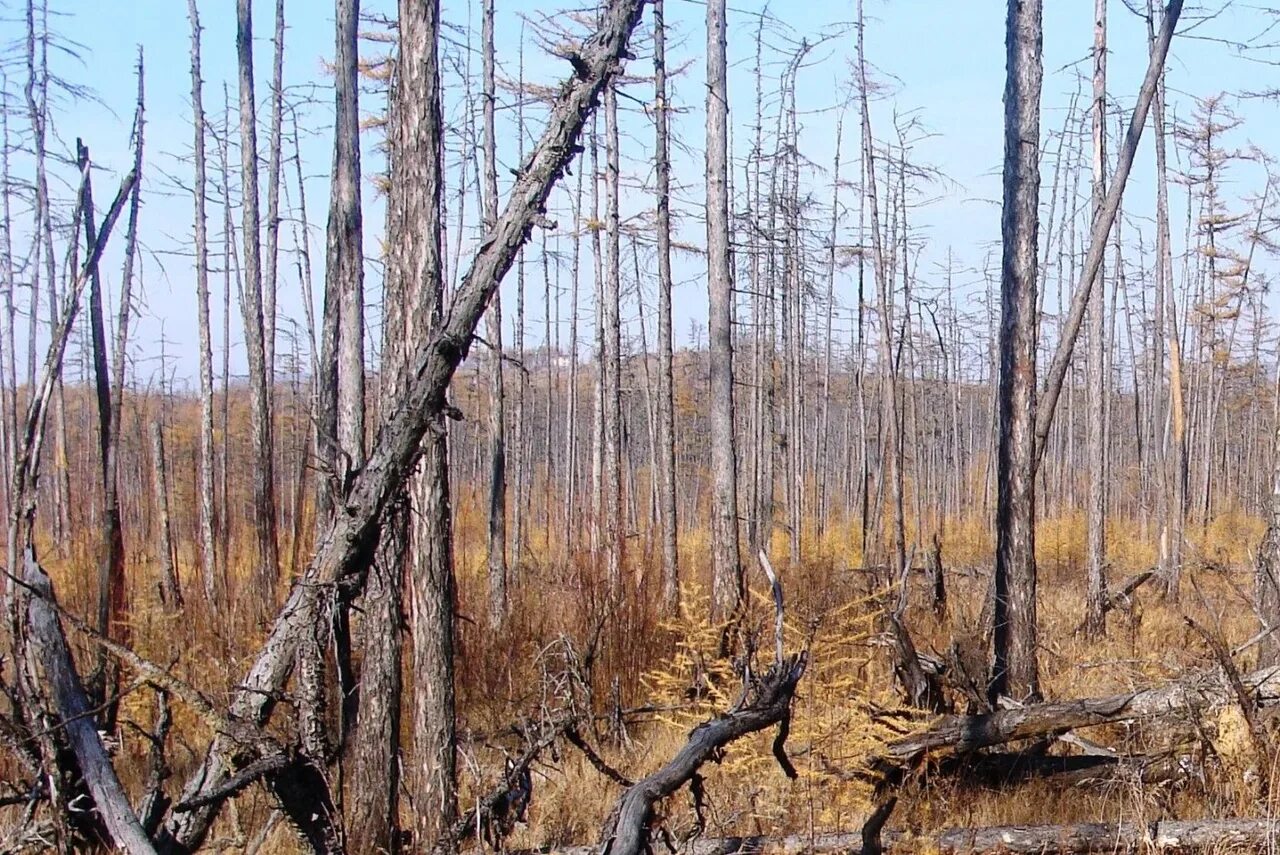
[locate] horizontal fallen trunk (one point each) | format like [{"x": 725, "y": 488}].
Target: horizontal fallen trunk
[
  {"x": 1006, "y": 769},
  {"x": 1171, "y": 837},
  {"x": 960, "y": 733}
]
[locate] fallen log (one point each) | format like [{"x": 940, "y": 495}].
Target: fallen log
[
  {"x": 962, "y": 733},
  {"x": 1170, "y": 836}
]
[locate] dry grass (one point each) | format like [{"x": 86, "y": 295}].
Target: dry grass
[{"x": 840, "y": 715}]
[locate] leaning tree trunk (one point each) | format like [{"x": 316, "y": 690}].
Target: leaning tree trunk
[
  {"x": 422, "y": 405},
  {"x": 1014, "y": 671}
]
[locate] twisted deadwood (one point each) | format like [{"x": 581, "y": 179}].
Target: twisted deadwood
[{"x": 770, "y": 705}]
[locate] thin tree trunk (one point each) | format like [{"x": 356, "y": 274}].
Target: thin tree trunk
[
  {"x": 497, "y": 545},
  {"x": 270, "y": 277},
  {"x": 1174, "y": 440},
  {"x": 666, "y": 455},
  {"x": 611, "y": 368},
  {"x": 728, "y": 584},
  {"x": 170, "y": 588},
  {"x": 252, "y": 309},
  {"x": 208, "y": 550},
  {"x": 1095, "y": 601}
]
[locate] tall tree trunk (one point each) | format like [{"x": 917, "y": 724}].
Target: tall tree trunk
[
  {"x": 208, "y": 549},
  {"x": 264, "y": 491},
  {"x": 415, "y": 268},
  {"x": 611, "y": 368},
  {"x": 1015, "y": 671},
  {"x": 270, "y": 277},
  {"x": 497, "y": 545},
  {"x": 1174, "y": 463},
  {"x": 728, "y": 584},
  {"x": 666, "y": 455},
  {"x": 1096, "y": 599},
  {"x": 892, "y": 448}
]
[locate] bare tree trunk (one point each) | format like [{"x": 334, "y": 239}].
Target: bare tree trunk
[
  {"x": 1174, "y": 440},
  {"x": 611, "y": 367},
  {"x": 666, "y": 454},
  {"x": 113, "y": 602},
  {"x": 1095, "y": 602},
  {"x": 497, "y": 546},
  {"x": 1015, "y": 671},
  {"x": 824, "y": 420},
  {"x": 170, "y": 588},
  {"x": 892, "y": 449},
  {"x": 208, "y": 549},
  {"x": 415, "y": 270},
  {"x": 229, "y": 260},
  {"x": 270, "y": 277},
  {"x": 728, "y": 584},
  {"x": 264, "y": 491}
]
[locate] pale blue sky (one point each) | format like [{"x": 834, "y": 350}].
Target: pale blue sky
[{"x": 940, "y": 62}]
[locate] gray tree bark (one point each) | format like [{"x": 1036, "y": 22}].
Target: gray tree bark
[
  {"x": 1096, "y": 623},
  {"x": 208, "y": 548},
  {"x": 728, "y": 585},
  {"x": 1014, "y": 672},
  {"x": 264, "y": 491},
  {"x": 497, "y": 545},
  {"x": 666, "y": 455}
]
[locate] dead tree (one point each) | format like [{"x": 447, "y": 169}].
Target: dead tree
[
  {"x": 170, "y": 589},
  {"x": 251, "y": 305},
  {"x": 728, "y": 586},
  {"x": 765, "y": 701},
  {"x": 1014, "y": 670},
  {"x": 1098, "y": 383},
  {"x": 208, "y": 549},
  {"x": 50, "y": 670},
  {"x": 497, "y": 545},
  {"x": 666, "y": 453}
]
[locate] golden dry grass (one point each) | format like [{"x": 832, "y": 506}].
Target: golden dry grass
[{"x": 839, "y": 716}]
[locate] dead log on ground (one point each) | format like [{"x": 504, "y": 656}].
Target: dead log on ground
[
  {"x": 1171, "y": 837},
  {"x": 961, "y": 733}
]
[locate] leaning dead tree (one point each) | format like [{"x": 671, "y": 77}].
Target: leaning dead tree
[{"x": 346, "y": 544}]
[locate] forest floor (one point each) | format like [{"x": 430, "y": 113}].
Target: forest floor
[{"x": 652, "y": 679}]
